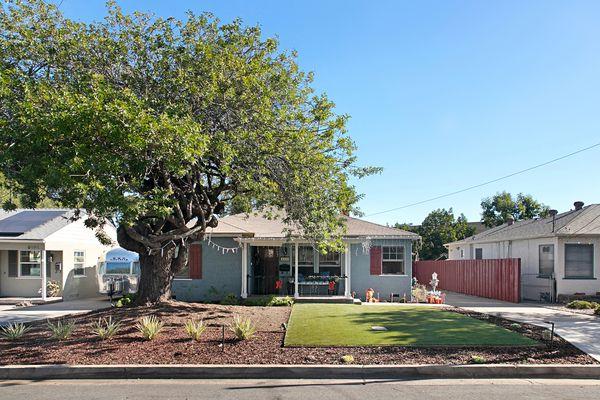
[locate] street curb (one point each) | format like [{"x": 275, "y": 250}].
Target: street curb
[{"x": 506, "y": 371}]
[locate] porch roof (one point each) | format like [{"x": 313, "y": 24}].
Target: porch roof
[{"x": 259, "y": 227}]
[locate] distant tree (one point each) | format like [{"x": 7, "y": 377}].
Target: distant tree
[
  {"x": 501, "y": 207},
  {"x": 438, "y": 228}
]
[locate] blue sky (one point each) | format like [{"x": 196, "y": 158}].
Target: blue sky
[{"x": 443, "y": 94}]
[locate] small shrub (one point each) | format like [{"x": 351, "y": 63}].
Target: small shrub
[
  {"x": 14, "y": 331},
  {"x": 149, "y": 327},
  {"x": 419, "y": 293},
  {"x": 269, "y": 301},
  {"x": 347, "y": 359},
  {"x": 582, "y": 305},
  {"x": 106, "y": 328},
  {"x": 230, "y": 299},
  {"x": 597, "y": 311},
  {"x": 476, "y": 359},
  {"x": 61, "y": 330},
  {"x": 194, "y": 329},
  {"x": 242, "y": 328},
  {"x": 515, "y": 326}
]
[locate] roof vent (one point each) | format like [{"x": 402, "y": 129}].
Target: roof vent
[
  {"x": 510, "y": 220},
  {"x": 578, "y": 205},
  {"x": 553, "y": 213}
]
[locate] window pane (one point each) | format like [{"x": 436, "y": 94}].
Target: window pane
[
  {"x": 329, "y": 259},
  {"x": 118, "y": 267},
  {"x": 184, "y": 273},
  {"x": 31, "y": 256},
  {"x": 393, "y": 253},
  {"x": 31, "y": 270},
  {"x": 479, "y": 254},
  {"x": 79, "y": 256},
  {"x": 79, "y": 270},
  {"x": 393, "y": 267},
  {"x": 546, "y": 260},
  {"x": 579, "y": 260}
]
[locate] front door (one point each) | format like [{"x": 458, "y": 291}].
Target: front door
[{"x": 268, "y": 257}]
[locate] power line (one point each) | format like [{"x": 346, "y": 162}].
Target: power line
[{"x": 487, "y": 182}]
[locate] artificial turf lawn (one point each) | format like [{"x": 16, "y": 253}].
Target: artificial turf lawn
[{"x": 350, "y": 325}]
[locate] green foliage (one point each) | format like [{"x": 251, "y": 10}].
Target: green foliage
[
  {"x": 269, "y": 301},
  {"x": 61, "y": 330},
  {"x": 230, "y": 299},
  {"x": 582, "y": 305},
  {"x": 14, "y": 331},
  {"x": 149, "y": 327},
  {"x": 438, "y": 228},
  {"x": 477, "y": 359},
  {"x": 597, "y": 311},
  {"x": 106, "y": 328},
  {"x": 347, "y": 359},
  {"x": 126, "y": 300},
  {"x": 242, "y": 328},
  {"x": 499, "y": 208},
  {"x": 195, "y": 329},
  {"x": 159, "y": 122}
]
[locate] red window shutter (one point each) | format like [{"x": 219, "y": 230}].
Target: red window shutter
[
  {"x": 195, "y": 261},
  {"x": 376, "y": 260}
]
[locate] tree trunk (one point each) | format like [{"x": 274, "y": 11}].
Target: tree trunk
[
  {"x": 155, "y": 283},
  {"x": 158, "y": 267}
]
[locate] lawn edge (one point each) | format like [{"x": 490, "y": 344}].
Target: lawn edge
[{"x": 177, "y": 371}]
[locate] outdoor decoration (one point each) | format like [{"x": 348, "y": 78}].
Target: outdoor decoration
[
  {"x": 220, "y": 249},
  {"x": 369, "y": 295}
]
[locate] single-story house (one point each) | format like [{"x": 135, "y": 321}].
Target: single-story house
[
  {"x": 560, "y": 254},
  {"x": 39, "y": 246},
  {"x": 253, "y": 255}
]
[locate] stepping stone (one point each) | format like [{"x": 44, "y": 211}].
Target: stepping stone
[{"x": 378, "y": 328}]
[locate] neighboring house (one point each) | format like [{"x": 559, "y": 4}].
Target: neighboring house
[
  {"x": 560, "y": 255},
  {"x": 252, "y": 255},
  {"x": 38, "y": 246}
]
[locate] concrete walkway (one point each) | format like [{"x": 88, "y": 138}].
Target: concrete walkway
[
  {"x": 10, "y": 314},
  {"x": 583, "y": 331}
]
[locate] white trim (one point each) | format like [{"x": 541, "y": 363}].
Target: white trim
[
  {"x": 44, "y": 277},
  {"x": 296, "y": 291},
  {"x": 244, "y": 293},
  {"x": 347, "y": 270},
  {"x": 42, "y": 272}
]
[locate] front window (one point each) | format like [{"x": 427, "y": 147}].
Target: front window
[
  {"x": 330, "y": 264},
  {"x": 479, "y": 253},
  {"x": 546, "y": 260},
  {"x": 79, "y": 263},
  {"x": 30, "y": 263},
  {"x": 579, "y": 260},
  {"x": 392, "y": 260}
]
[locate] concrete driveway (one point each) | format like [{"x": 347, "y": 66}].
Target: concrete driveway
[
  {"x": 10, "y": 314},
  {"x": 583, "y": 331}
]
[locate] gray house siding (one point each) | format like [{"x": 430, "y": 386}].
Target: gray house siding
[
  {"x": 383, "y": 285},
  {"x": 221, "y": 274}
]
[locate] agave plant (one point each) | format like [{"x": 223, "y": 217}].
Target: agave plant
[
  {"x": 242, "y": 328},
  {"x": 149, "y": 327},
  {"x": 106, "y": 328},
  {"x": 194, "y": 329},
  {"x": 61, "y": 330},
  {"x": 14, "y": 331}
]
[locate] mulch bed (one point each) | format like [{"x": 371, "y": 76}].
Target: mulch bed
[{"x": 174, "y": 347}]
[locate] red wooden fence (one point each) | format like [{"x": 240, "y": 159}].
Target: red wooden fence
[{"x": 495, "y": 279}]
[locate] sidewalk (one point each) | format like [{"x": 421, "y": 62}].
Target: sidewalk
[
  {"x": 583, "y": 331},
  {"x": 10, "y": 314}
]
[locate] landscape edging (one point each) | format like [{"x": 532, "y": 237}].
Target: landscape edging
[{"x": 179, "y": 371}]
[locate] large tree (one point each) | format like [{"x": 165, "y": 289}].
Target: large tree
[
  {"x": 501, "y": 207},
  {"x": 161, "y": 125},
  {"x": 439, "y": 227}
]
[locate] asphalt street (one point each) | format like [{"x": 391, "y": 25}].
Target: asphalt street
[{"x": 301, "y": 389}]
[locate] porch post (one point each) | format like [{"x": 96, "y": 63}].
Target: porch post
[
  {"x": 347, "y": 270},
  {"x": 296, "y": 293},
  {"x": 44, "y": 277},
  {"x": 244, "y": 270}
]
